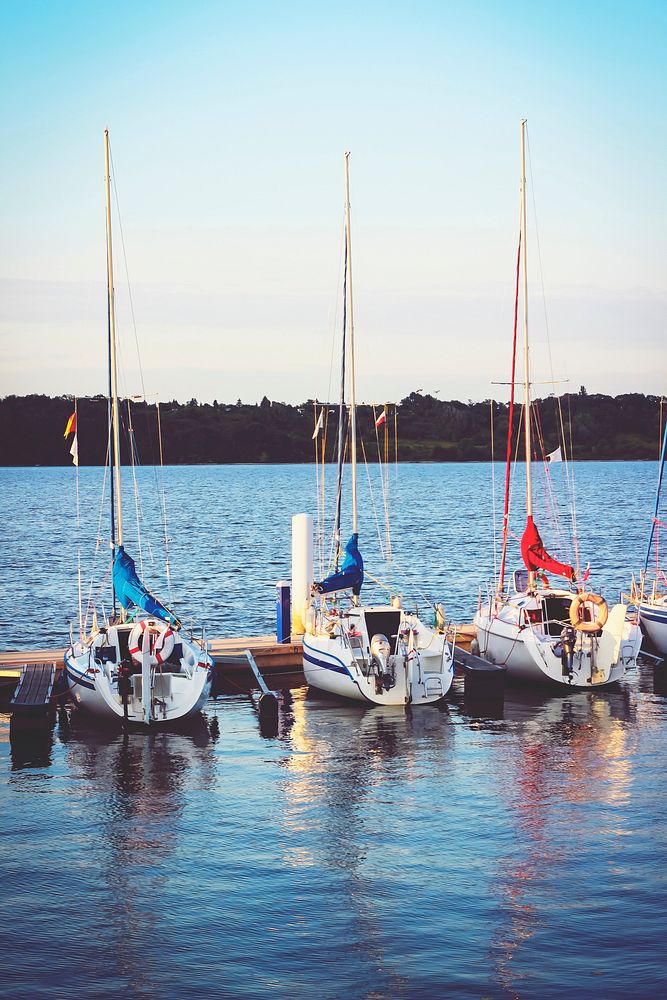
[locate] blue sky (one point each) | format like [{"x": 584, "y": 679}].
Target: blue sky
[{"x": 228, "y": 124}]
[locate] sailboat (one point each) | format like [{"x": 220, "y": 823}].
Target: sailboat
[
  {"x": 379, "y": 654},
  {"x": 567, "y": 635},
  {"x": 652, "y": 603},
  {"x": 139, "y": 666}
]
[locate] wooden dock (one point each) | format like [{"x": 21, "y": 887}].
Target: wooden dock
[
  {"x": 34, "y": 688},
  {"x": 269, "y": 654},
  {"x": 281, "y": 663}
]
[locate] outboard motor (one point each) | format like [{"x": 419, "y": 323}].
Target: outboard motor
[
  {"x": 384, "y": 672},
  {"x": 568, "y": 638}
]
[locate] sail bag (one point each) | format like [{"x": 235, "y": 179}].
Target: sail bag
[
  {"x": 130, "y": 590},
  {"x": 350, "y": 575},
  {"x": 535, "y": 556}
]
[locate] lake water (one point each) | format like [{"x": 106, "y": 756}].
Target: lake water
[
  {"x": 229, "y": 537},
  {"x": 360, "y": 853}
]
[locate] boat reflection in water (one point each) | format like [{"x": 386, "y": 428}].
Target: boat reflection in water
[
  {"x": 353, "y": 822},
  {"x": 31, "y": 740},
  {"x": 575, "y": 757},
  {"x": 139, "y": 785}
]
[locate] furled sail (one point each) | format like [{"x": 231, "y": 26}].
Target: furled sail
[
  {"x": 535, "y": 556},
  {"x": 130, "y": 590},
  {"x": 350, "y": 575}
]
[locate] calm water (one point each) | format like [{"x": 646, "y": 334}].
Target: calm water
[
  {"x": 229, "y": 538},
  {"x": 360, "y": 853}
]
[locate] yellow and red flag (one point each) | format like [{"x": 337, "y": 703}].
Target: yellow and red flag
[{"x": 71, "y": 425}]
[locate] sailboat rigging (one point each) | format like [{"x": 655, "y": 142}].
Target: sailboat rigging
[
  {"x": 651, "y": 600},
  {"x": 378, "y": 654},
  {"x": 139, "y": 666},
  {"x": 545, "y": 633}
]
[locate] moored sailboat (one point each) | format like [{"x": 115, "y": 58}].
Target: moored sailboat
[
  {"x": 139, "y": 666},
  {"x": 567, "y": 635},
  {"x": 651, "y": 595},
  {"x": 380, "y": 654}
]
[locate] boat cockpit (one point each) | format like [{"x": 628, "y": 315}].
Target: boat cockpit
[{"x": 113, "y": 647}]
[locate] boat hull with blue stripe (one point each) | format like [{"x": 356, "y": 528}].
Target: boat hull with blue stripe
[
  {"x": 380, "y": 655},
  {"x": 177, "y": 688},
  {"x": 653, "y": 620}
]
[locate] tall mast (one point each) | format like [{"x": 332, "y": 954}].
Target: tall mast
[
  {"x": 526, "y": 376},
  {"x": 342, "y": 416},
  {"x": 657, "y": 499},
  {"x": 353, "y": 399},
  {"x": 117, "y": 538}
]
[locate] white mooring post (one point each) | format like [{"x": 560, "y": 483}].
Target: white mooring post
[{"x": 302, "y": 569}]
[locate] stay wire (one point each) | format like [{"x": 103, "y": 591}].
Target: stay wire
[
  {"x": 158, "y": 469},
  {"x": 493, "y": 497},
  {"x": 569, "y": 478},
  {"x": 372, "y": 496},
  {"x": 383, "y": 482}
]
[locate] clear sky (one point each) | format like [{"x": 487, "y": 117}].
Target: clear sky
[{"x": 228, "y": 124}]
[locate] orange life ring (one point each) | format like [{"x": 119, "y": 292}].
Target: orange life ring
[
  {"x": 576, "y": 612},
  {"x": 161, "y": 647}
]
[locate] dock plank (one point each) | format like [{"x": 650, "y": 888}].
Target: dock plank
[{"x": 35, "y": 686}]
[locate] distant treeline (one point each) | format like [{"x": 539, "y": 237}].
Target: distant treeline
[{"x": 429, "y": 429}]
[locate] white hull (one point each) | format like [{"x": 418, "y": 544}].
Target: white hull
[
  {"x": 337, "y": 658},
  {"x": 653, "y": 620},
  {"x": 532, "y": 651},
  {"x": 179, "y": 687}
]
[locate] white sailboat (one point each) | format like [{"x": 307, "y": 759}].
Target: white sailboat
[
  {"x": 379, "y": 654},
  {"x": 139, "y": 666},
  {"x": 567, "y": 635},
  {"x": 651, "y": 595}
]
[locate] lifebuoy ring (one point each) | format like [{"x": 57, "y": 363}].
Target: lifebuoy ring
[
  {"x": 577, "y": 608},
  {"x": 162, "y": 641}
]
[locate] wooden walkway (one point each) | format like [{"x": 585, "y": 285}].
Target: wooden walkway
[
  {"x": 281, "y": 662},
  {"x": 262, "y": 647},
  {"x": 33, "y": 691},
  {"x": 268, "y": 654}
]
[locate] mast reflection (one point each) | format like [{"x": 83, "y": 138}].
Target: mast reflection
[
  {"x": 567, "y": 751},
  {"x": 142, "y": 780},
  {"x": 348, "y": 767}
]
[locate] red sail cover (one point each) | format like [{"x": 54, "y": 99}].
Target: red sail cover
[{"x": 536, "y": 556}]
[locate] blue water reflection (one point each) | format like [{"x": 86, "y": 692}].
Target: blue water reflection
[
  {"x": 375, "y": 853},
  {"x": 443, "y": 851}
]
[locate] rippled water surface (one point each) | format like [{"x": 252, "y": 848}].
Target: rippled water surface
[{"x": 443, "y": 851}]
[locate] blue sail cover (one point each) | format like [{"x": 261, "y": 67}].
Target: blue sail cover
[
  {"x": 131, "y": 591},
  {"x": 351, "y": 573}
]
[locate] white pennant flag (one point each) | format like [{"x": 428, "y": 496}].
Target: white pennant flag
[
  {"x": 319, "y": 424},
  {"x": 555, "y": 456},
  {"x": 74, "y": 450}
]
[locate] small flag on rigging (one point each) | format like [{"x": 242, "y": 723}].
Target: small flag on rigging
[
  {"x": 555, "y": 456},
  {"x": 319, "y": 424},
  {"x": 71, "y": 429},
  {"x": 382, "y": 418},
  {"x": 71, "y": 425}
]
